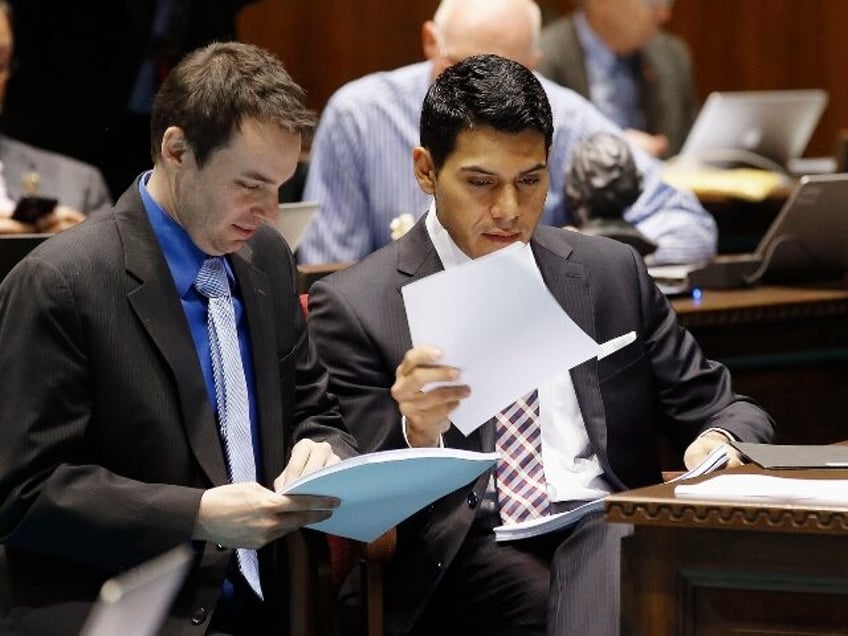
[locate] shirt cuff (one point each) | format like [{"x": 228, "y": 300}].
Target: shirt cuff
[
  {"x": 716, "y": 429},
  {"x": 406, "y": 437}
]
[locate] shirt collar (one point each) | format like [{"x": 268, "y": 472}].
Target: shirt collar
[
  {"x": 598, "y": 55},
  {"x": 184, "y": 258},
  {"x": 449, "y": 252}
]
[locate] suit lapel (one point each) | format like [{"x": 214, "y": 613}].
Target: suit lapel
[
  {"x": 156, "y": 303},
  {"x": 575, "y": 73},
  {"x": 569, "y": 283},
  {"x": 417, "y": 259},
  {"x": 259, "y": 313}
]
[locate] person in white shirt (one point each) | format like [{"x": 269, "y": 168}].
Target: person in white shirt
[{"x": 358, "y": 170}]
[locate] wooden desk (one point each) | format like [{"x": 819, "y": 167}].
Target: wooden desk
[
  {"x": 723, "y": 567},
  {"x": 786, "y": 347}
]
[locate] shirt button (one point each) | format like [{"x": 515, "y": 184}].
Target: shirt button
[
  {"x": 199, "y": 615},
  {"x": 473, "y": 499}
]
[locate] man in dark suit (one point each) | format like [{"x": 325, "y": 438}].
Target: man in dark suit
[
  {"x": 485, "y": 133},
  {"x": 614, "y": 53},
  {"x": 112, "y": 451}
]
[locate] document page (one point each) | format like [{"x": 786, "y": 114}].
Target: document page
[
  {"x": 495, "y": 320},
  {"x": 379, "y": 490},
  {"x": 718, "y": 458},
  {"x": 769, "y": 488}
]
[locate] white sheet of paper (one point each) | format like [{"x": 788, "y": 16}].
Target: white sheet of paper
[
  {"x": 495, "y": 320},
  {"x": 769, "y": 488}
]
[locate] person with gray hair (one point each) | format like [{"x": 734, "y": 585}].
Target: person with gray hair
[
  {"x": 359, "y": 172},
  {"x": 165, "y": 386}
]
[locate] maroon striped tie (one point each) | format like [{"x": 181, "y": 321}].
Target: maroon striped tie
[{"x": 520, "y": 475}]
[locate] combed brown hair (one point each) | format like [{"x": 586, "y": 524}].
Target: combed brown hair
[{"x": 213, "y": 89}]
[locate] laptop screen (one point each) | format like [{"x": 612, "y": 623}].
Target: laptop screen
[
  {"x": 763, "y": 129},
  {"x": 294, "y": 220},
  {"x": 808, "y": 240},
  {"x": 136, "y": 602}
]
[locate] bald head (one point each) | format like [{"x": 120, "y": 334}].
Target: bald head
[{"x": 461, "y": 28}]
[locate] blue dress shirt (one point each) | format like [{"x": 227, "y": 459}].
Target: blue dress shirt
[{"x": 184, "y": 259}]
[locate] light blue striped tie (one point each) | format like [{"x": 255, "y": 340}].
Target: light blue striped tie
[{"x": 230, "y": 391}]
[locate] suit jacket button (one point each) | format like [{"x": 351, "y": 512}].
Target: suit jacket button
[
  {"x": 473, "y": 499},
  {"x": 199, "y": 615}
]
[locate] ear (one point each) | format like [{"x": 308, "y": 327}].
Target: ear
[
  {"x": 535, "y": 59},
  {"x": 425, "y": 171},
  {"x": 429, "y": 41},
  {"x": 174, "y": 148}
]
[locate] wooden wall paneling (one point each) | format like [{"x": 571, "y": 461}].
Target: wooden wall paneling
[{"x": 736, "y": 44}]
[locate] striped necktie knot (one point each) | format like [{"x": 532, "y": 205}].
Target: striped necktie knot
[{"x": 212, "y": 280}]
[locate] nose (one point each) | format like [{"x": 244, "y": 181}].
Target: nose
[
  {"x": 507, "y": 206},
  {"x": 268, "y": 207}
]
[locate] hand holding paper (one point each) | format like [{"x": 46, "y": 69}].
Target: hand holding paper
[{"x": 499, "y": 325}]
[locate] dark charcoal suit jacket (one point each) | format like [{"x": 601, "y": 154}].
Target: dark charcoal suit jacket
[
  {"x": 108, "y": 436},
  {"x": 668, "y": 94},
  {"x": 660, "y": 384}
]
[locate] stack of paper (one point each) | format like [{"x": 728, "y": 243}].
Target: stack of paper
[
  {"x": 718, "y": 458},
  {"x": 769, "y": 488}
]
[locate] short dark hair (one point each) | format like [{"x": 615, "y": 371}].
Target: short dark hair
[
  {"x": 213, "y": 89},
  {"x": 482, "y": 90}
]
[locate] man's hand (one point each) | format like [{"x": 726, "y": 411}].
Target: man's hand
[
  {"x": 61, "y": 218},
  {"x": 248, "y": 515},
  {"x": 426, "y": 412},
  {"x": 307, "y": 457},
  {"x": 654, "y": 145},
  {"x": 704, "y": 445}
]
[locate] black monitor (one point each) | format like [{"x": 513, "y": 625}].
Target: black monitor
[
  {"x": 806, "y": 242},
  {"x": 809, "y": 238}
]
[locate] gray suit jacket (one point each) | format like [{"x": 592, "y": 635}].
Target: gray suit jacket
[
  {"x": 660, "y": 384},
  {"x": 668, "y": 93},
  {"x": 110, "y": 440},
  {"x": 74, "y": 183}
]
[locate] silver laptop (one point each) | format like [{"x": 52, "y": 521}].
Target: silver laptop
[
  {"x": 136, "y": 602},
  {"x": 295, "y": 219},
  {"x": 764, "y": 129},
  {"x": 807, "y": 241}
]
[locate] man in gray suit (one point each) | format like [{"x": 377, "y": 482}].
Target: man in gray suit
[
  {"x": 613, "y": 53},
  {"x": 117, "y": 416},
  {"x": 78, "y": 187},
  {"x": 486, "y": 128}
]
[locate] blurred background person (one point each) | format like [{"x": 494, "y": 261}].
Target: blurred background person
[
  {"x": 87, "y": 72},
  {"x": 615, "y": 53},
  {"x": 359, "y": 165},
  {"x": 27, "y": 171}
]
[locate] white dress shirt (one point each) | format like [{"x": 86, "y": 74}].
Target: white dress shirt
[{"x": 572, "y": 469}]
